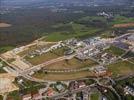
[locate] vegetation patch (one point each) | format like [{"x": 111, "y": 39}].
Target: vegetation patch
[
  {"x": 63, "y": 76},
  {"x": 15, "y": 95},
  {"x": 122, "y": 19},
  {"x": 41, "y": 58},
  {"x": 115, "y": 50},
  {"x": 1, "y": 97},
  {"x": 110, "y": 95},
  {"x": 2, "y": 64},
  {"x": 121, "y": 68},
  {"x": 71, "y": 64},
  {"x": 5, "y": 48},
  {"x": 107, "y": 34},
  {"x": 129, "y": 55},
  {"x": 120, "y": 87},
  {"x": 95, "y": 96},
  {"x": 79, "y": 31},
  {"x": 38, "y": 59}
]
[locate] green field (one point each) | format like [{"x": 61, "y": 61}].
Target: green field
[
  {"x": 63, "y": 76},
  {"x": 121, "y": 68},
  {"x": 122, "y": 19},
  {"x": 107, "y": 34},
  {"x": 115, "y": 50},
  {"x": 79, "y": 30},
  {"x": 71, "y": 64},
  {"x": 5, "y": 48},
  {"x": 60, "y": 51},
  {"x": 95, "y": 96},
  {"x": 47, "y": 56},
  {"x": 91, "y": 18},
  {"x": 41, "y": 58},
  {"x": 85, "y": 26},
  {"x": 14, "y": 95}
]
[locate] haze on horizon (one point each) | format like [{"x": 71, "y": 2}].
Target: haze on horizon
[{"x": 28, "y": 2}]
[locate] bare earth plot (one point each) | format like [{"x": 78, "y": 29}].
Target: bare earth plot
[
  {"x": 8, "y": 55},
  {"x": 6, "y": 84},
  {"x": 3, "y": 25},
  {"x": 19, "y": 63}
]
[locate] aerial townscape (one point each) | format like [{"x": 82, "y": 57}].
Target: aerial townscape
[{"x": 67, "y": 50}]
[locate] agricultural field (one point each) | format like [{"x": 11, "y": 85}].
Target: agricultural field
[
  {"x": 87, "y": 26},
  {"x": 123, "y": 25},
  {"x": 71, "y": 64},
  {"x": 63, "y": 76},
  {"x": 115, "y": 51},
  {"x": 122, "y": 19},
  {"x": 122, "y": 22},
  {"x": 121, "y": 68}
]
